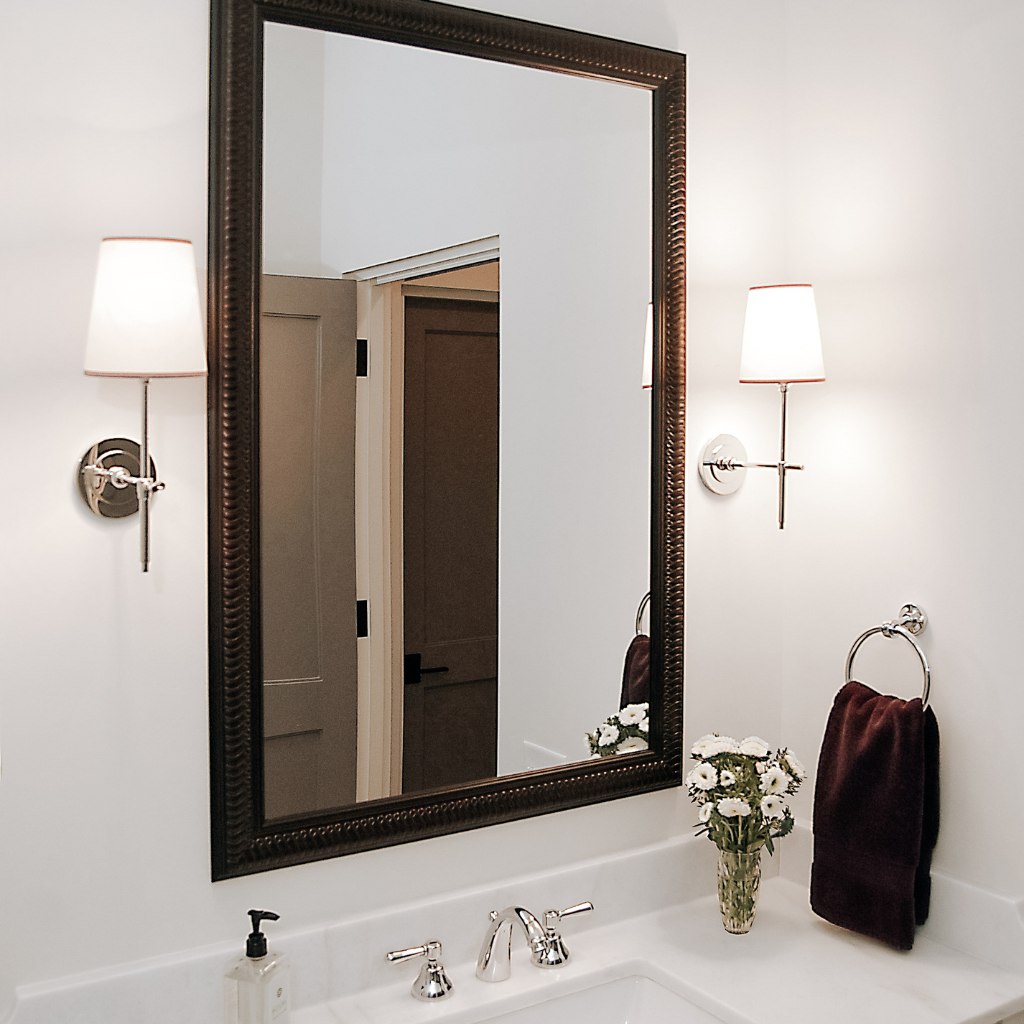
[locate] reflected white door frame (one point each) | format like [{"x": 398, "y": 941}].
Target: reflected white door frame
[{"x": 380, "y": 316}]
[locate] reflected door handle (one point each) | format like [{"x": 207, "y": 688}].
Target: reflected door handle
[{"x": 414, "y": 669}]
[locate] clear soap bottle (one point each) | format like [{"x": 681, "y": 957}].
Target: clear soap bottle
[{"x": 256, "y": 988}]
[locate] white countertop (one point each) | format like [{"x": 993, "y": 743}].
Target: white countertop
[{"x": 791, "y": 968}]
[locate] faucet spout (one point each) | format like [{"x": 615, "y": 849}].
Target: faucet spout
[{"x": 494, "y": 962}]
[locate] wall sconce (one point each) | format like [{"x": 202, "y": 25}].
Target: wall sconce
[
  {"x": 145, "y": 323},
  {"x": 781, "y": 345}
]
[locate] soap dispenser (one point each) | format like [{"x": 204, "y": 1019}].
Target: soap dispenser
[{"x": 256, "y": 989}]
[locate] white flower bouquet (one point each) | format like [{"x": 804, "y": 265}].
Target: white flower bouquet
[
  {"x": 740, "y": 788},
  {"x": 622, "y": 733}
]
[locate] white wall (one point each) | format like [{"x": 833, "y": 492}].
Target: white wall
[
  {"x": 293, "y": 151},
  {"x": 878, "y": 161},
  {"x": 901, "y": 203}
]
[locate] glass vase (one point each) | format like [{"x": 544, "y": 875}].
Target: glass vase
[{"x": 739, "y": 878}]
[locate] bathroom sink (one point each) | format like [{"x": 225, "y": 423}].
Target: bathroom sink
[{"x": 630, "y": 1000}]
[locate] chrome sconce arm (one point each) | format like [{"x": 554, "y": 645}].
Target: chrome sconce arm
[
  {"x": 112, "y": 483},
  {"x": 725, "y": 455}
]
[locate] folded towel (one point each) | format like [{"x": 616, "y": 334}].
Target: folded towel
[
  {"x": 876, "y": 815},
  {"x": 636, "y": 673}
]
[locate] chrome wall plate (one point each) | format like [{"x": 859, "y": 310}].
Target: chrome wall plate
[
  {"x": 912, "y": 619},
  {"x": 715, "y": 460},
  {"x": 111, "y": 499}
]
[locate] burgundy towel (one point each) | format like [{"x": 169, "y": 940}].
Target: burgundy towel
[
  {"x": 876, "y": 815},
  {"x": 636, "y": 673}
]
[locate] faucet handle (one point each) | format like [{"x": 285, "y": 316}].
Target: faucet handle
[
  {"x": 552, "y": 917},
  {"x": 432, "y": 982},
  {"x": 552, "y": 952}
]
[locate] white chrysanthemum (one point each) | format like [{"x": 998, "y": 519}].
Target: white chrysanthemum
[
  {"x": 705, "y": 811},
  {"x": 732, "y": 807},
  {"x": 773, "y": 807},
  {"x": 644, "y": 725},
  {"x": 727, "y": 778},
  {"x": 774, "y": 780},
  {"x": 704, "y": 776},
  {"x": 609, "y": 734},
  {"x": 697, "y": 750},
  {"x": 754, "y": 746},
  {"x": 794, "y": 765},
  {"x": 708, "y": 746},
  {"x": 632, "y": 743},
  {"x": 633, "y": 713}
]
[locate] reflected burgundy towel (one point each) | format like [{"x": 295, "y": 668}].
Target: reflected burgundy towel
[
  {"x": 876, "y": 815},
  {"x": 636, "y": 673}
]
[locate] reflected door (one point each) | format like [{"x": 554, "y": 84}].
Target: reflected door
[
  {"x": 307, "y": 524},
  {"x": 450, "y": 537}
]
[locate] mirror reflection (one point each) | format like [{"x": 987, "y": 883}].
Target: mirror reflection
[{"x": 454, "y": 442}]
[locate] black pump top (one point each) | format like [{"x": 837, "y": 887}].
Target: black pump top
[{"x": 256, "y": 944}]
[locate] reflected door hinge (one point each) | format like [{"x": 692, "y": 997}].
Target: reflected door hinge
[
  {"x": 362, "y": 618},
  {"x": 362, "y": 357}
]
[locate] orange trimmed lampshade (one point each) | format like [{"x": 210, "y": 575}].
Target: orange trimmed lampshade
[
  {"x": 647, "y": 379},
  {"x": 781, "y": 340},
  {"x": 145, "y": 318}
]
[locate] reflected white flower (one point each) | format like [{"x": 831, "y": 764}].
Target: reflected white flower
[
  {"x": 773, "y": 807},
  {"x": 732, "y": 807},
  {"x": 633, "y": 713},
  {"x": 774, "y": 780},
  {"x": 708, "y": 746},
  {"x": 609, "y": 734},
  {"x": 632, "y": 743},
  {"x": 754, "y": 746},
  {"x": 704, "y": 776},
  {"x": 761, "y": 766},
  {"x": 794, "y": 765},
  {"x": 644, "y": 725},
  {"x": 705, "y": 811},
  {"x": 726, "y": 778}
]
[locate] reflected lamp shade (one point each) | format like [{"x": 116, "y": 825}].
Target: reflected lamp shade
[
  {"x": 647, "y": 378},
  {"x": 781, "y": 340},
  {"x": 145, "y": 319}
]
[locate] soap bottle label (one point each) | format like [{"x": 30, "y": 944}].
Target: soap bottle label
[{"x": 276, "y": 999}]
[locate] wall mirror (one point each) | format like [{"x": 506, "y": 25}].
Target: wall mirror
[{"x": 437, "y": 490}]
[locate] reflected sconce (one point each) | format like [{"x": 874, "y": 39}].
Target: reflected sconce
[
  {"x": 145, "y": 323},
  {"x": 647, "y": 378},
  {"x": 781, "y": 345}
]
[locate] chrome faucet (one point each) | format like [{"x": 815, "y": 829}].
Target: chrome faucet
[{"x": 546, "y": 946}]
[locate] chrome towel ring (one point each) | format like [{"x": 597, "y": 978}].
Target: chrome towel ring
[
  {"x": 911, "y": 622},
  {"x": 645, "y": 601}
]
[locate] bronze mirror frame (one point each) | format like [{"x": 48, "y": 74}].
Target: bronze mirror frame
[{"x": 243, "y": 841}]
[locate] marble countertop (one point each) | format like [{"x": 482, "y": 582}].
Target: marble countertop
[{"x": 792, "y": 968}]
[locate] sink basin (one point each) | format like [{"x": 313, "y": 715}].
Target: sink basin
[{"x": 630, "y": 1000}]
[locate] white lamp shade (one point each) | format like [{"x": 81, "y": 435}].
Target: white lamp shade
[
  {"x": 145, "y": 318},
  {"x": 647, "y": 378},
  {"x": 781, "y": 340}
]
